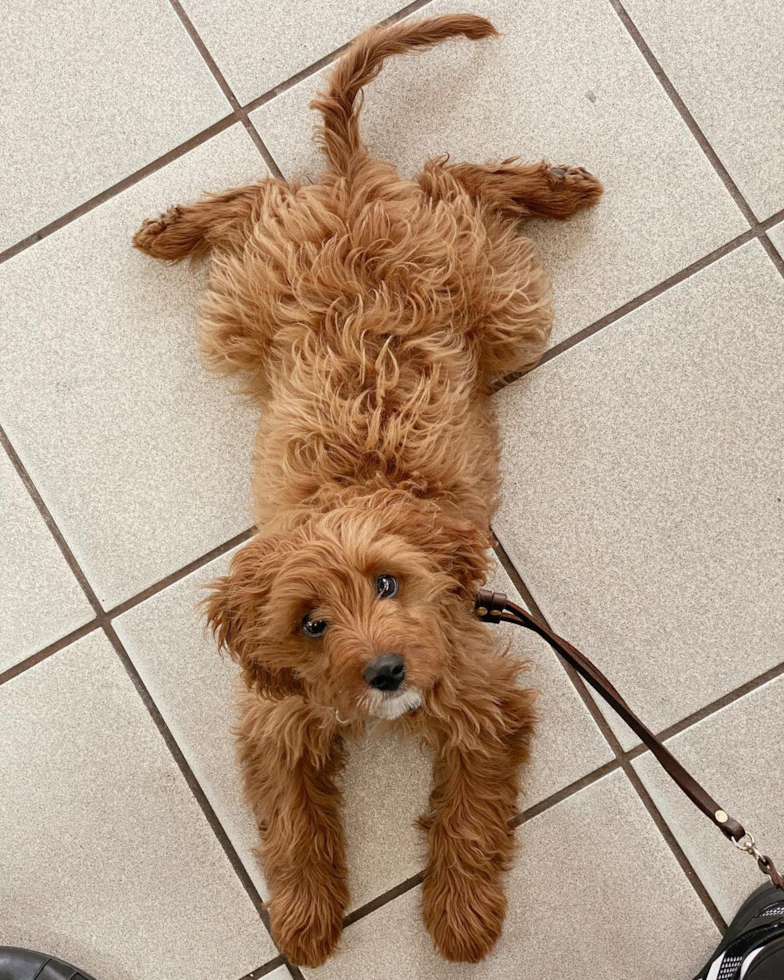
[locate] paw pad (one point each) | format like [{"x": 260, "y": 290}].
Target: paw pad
[{"x": 577, "y": 172}]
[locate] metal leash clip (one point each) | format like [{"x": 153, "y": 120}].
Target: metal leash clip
[{"x": 748, "y": 844}]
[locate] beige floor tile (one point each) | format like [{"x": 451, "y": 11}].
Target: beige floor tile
[
  {"x": 577, "y": 907},
  {"x": 142, "y": 457},
  {"x": 107, "y": 859},
  {"x": 776, "y": 235},
  {"x": 257, "y": 47},
  {"x": 193, "y": 687},
  {"x": 544, "y": 89},
  {"x": 40, "y": 600},
  {"x": 643, "y": 489},
  {"x": 568, "y": 744},
  {"x": 93, "y": 91},
  {"x": 738, "y": 756},
  {"x": 387, "y": 780},
  {"x": 726, "y": 60}
]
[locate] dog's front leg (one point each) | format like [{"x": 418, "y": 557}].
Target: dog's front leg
[
  {"x": 476, "y": 780},
  {"x": 291, "y": 759}
]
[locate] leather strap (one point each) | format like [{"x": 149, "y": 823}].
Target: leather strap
[{"x": 495, "y": 607}]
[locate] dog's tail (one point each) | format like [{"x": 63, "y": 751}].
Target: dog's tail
[{"x": 339, "y": 134}]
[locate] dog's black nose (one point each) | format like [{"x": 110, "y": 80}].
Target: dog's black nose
[{"x": 386, "y": 673}]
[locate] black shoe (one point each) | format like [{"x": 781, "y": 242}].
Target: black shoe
[
  {"x": 759, "y": 922},
  {"x": 769, "y": 964},
  {"x": 24, "y": 964}
]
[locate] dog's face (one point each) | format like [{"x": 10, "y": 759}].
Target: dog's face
[{"x": 352, "y": 609}]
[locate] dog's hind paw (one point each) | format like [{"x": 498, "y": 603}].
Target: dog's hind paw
[
  {"x": 573, "y": 188},
  {"x": 151, "y": 237}
]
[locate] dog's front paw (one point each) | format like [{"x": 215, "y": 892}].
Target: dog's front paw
[
  {"x": 306, "y": 924},
  {"x": 463, "y": 914}
]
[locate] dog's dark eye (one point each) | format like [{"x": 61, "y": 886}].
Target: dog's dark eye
[
  {"x": 313, "y": 627},
  {"x": 386, "y": 586}
]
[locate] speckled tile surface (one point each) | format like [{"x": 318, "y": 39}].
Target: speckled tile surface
[
  {"x": 41, "y": 599},
  {"x": 142, "y": 457},
  {"x": 643, "y": 489},
  {"x": 776, "y": 235},
  {"x": 99, "y": 827},
  {"x": 642, "y": 473},
  {"x": 259, "y": 46},
  {"x": 93, "y": 92},
  {"x": 727, "y": 61}
]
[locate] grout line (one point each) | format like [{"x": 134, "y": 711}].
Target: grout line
[
  {"x": 582, "y": 690},
  {"x": 187, "y": 773},
  {"x": 519, "y": 584},
  {"x": 105, "y": 623},
  {"x": 383, "y": 899},
  {"x": 120, "y": 186},
  {"x": 710, "y": 709},
  {"x": 224, "y": 86},
  {"x": 262, "y": 971},
  {"x": 678, "y": 853},
  {"x": 773, "y": 253},
  {"x": 774, "y": 219},
  {"x": 624, "y": 762},
  {"x": 300, "y": 76},
  {"x": 194, "y": 35},
  {"x": 696, "y": 131},
  {"x": 54, "y": 530},
  {"x": 181, "y": 573},
  {"x": 533, "y": 811},
  {"x": 653, "y": 293},
  {"x": 756, "y": 231},
  {"x": 47, "y": 651},
  {"x": 240, "y": 114},
  {"x": 123, "y": 607},
  {"x": 327, "y": 59},
  {"x": 634, "y": 304},
  {"x": 405, "y": 886},
  {"x": 566, "y": 792},
  {"x": 262, "y": 147}
]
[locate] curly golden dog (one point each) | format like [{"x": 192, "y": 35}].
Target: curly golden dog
[{"x": 370, "y": 315}]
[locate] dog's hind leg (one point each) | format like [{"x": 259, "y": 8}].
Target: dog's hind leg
[
  {"x": 217, "y": 221},
  {"x": 518, "y": 189}
]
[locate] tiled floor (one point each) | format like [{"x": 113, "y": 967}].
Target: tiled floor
[{"x": 643, "y": 465}]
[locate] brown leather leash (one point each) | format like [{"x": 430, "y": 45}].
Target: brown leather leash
[{"x": 495, "y": 607}]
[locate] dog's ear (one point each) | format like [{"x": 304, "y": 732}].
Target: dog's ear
[
  {"x": 237, "y": 615},
  {"x": 457, "y": 545}
]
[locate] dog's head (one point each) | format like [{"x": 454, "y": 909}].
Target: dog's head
[{"x": 355, "y": 607}]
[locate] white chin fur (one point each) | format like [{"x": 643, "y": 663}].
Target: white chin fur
[{"x": 381, "y": 706}]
